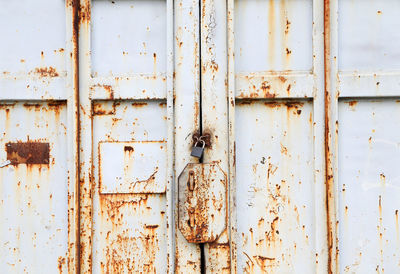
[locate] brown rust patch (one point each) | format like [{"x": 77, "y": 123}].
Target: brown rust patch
[
  {"x": 128, "y": 149},
  {"x": 84, "y": 12},
  {"x": 28, "y": 153},
  {"x": 45, "y": 72},
  {"x": 61, "y": 262},
  {"x": 139, "y": 104}
]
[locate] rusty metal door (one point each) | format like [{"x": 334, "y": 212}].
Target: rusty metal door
[
  {"x": 363, "y": 120},
  {"x": 278, "y": 105},
  {"x": 38, "y": 148},
  {"x": 100, "y": 101},
  {"x": 126, "y": 128}
]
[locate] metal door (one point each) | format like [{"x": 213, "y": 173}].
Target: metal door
[
  {"x": 100, "y": 101},
  {"x": 363, "y": 89},
  {"x": 38, "y": 151},
  {"x": 278, "y": 106}
]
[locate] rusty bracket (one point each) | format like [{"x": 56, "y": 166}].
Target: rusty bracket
[{"x": 206, "y": 137}]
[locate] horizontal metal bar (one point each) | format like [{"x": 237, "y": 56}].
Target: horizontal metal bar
[
  {"x": 131, "y": 87},
  {"x": 33, "y": 88},
  {"x": 277, "y": 85},
  {"x": 352, "y": 84}
]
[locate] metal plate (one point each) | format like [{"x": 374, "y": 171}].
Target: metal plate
[
  {"x": 132, "y": 167},
  {"x": 28, "y": 153},
  {"x": 202, "y": 210}
]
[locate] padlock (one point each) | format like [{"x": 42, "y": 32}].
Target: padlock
[{"x": 198, "y": 151}]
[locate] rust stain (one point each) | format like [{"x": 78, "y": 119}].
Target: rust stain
[
  {"x": 84, "y": 12},
  {"x": 123, "y": 246},
  {"x": 271, "y": 32},
  {"x": 45, "y": 72},
  {"x": 108, "y": 88},
  {"x": 396, "y": 213},
  {"x": 139, "y": 104},
  {"x": 61, "y": 262},
  {"x": 330, "y": 204},
  {"x": 128, "y": 149},
  {"x": 28, "y": 153}
]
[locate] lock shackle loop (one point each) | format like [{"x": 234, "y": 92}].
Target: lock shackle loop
[{"x": 201, "y": 141}]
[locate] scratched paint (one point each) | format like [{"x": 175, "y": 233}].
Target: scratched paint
[{"x": 275, "y": 187}]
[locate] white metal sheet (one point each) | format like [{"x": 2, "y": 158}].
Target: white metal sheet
[
  {"x": 273, "y": 35},
  {"x": 33, "y": 35},
  {"x": 368, "y": 40},
  {"x": 132, "y": 167},
  {"x": 369, "y": 186},
  {"x": 128, "y": 37}
]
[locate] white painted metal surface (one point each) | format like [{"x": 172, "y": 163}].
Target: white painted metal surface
[
  {"x": 299, "y": 97},
  {"x": 38, "y": 104},
  {"x": 280, "y": 199},
  {"x": 363, "y": 112}
]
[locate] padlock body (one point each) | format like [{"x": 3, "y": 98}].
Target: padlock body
[{"x": 197, "y": 152}]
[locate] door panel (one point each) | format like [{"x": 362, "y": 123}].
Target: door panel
[
  {"x": 129, "y": 218},
  {"x": 278, "y": 136},
  {"x": 363, "y": 88},
  {"x": 369, "y": 185},
  {"x": 38, "y": 205},
  {"x": 275, "y": 200},
  {"x": 34, "y": 191},
  {"x": 126, "y": 141}
]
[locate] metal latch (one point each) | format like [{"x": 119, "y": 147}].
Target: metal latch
[
  {"x": 202, "y": 202},
  {"x": 5, "y": 163}
]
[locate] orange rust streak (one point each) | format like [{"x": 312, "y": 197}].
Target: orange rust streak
[{"x": 330, "y": 207}]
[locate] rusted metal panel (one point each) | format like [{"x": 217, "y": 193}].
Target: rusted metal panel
[
  {"x": 214, "y": 94},
  {"x": 280, "y": 203},
  {"x": 186, "y": 113},
  {"x": 129, "y": 227},
  {"x": 202, "y": 203},
  {"x": 363, "y": 86},
  {"x": 28, "y": 153},
  {"x": 126, "y": 132},
  {"x": 275, "y": 189},
  {"x": 34, "y": 194},
  {"x": 38, "y": 89}
]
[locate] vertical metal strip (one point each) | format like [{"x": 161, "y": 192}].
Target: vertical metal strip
[
  {"x": 85, "y": 146},
  {"x": 331, "y": 120},
  {"x": 73, "y": 124},
  {"x": 231, "y": 138},
  {"x": 170, "y": 137},
  {"x": 321, "y": 257},
  {"x": 214, "y": 95},
  {"x": 186, "y": 114}
]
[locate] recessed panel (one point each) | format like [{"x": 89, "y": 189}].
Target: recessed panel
[
  {"x": 133, "y": 167},
  {"x": 34, "y": 187},
  {"x": 369, "y": 186},
  {"x": 128, "y": 37},
  {"x": 33, "y": 36},
  {"x": 275, "y": 187},
  {"x": 129, "y": 202},
  {"x": 369, "y": 39},
  {"x": 273, "y": 35}
]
